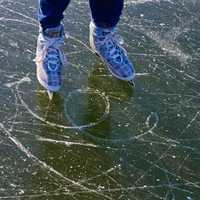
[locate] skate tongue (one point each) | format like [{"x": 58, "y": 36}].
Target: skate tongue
[{"x": 53, "y": 32}]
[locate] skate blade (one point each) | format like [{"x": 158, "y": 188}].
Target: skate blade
[{"x": 50, "y": 94}]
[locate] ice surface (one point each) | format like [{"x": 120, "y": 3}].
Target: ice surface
[{"x": 99, "y": 138}]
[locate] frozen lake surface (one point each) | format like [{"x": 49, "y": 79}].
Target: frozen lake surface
[{"x": 99, "y": 139}]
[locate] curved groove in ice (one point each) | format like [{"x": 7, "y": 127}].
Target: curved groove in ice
[
  {"x": 74, "y": 126},
  {"x": 89, "y": 91}
]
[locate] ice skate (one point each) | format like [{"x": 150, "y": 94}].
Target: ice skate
[
  {"x": 50, "y": 59},
  {"x": 106, "y": 43}
]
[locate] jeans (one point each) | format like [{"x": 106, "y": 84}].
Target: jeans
[{"x": 104, "y": 13}]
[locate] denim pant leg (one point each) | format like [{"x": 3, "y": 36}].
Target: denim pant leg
[
  {"x": 106, "y": 13},
  {"x": 50, "y": 12}
]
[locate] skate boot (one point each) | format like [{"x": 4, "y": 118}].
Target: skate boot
[
  {"x": 50, "y": 58},
  {"x": 107, "y": 44}
]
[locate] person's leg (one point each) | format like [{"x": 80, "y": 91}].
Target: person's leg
[
  {"x": 106, "y": 13},
  {"x": 103, "y": 38},
  {"x": 50, "y": 12}
]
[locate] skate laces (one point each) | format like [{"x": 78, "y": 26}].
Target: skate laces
[
  {"x": 117, "y": 38},
  {"x": 112, "y": 40},
  {"x": 113, "y": 36},
  {"x": 52, "y": 52}
]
